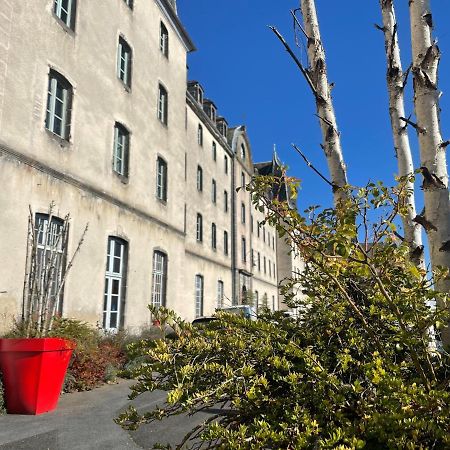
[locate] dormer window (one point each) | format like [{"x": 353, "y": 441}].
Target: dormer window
[
  {"x": 213, "y": 113},
  {"x": 222, "y": 127},
  {"x": 199, "y": 94},
  {"x": 243, "y": 152}
]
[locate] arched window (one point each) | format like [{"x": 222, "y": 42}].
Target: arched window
[
  {"x": 243, "y": 152},
  {"x": 115, "y": 282},
  {"x": 59, "y": 105},
  {"x": 164, "y": 40},
  {"x": 121, "y": 151},
  {"x": 199, "y": 228},
  {"x": 198, "y": 295},
  {"x": 225, "y": 242},
  {"x": 200, "y": 135},
  {"x": 220, "y": 294},
  {"x": 199, "y": 179},
  {"x": 161, "y": 179},
  {"x": 163, "y": 104},
  {"x": 159, "y": 279},
  {"x": 124, "y": 61},
  {"x": 214, "y": 236},
  {"x": 243, "y": 212}
]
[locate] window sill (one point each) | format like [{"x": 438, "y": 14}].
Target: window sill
[
  {"x": 125, "y": 87},
  {"x": 64, "y": 26},
  {"x": 160, "y": 200},
  {"x": 122, "y": 178},
  {"x": 63, "y": 143}
]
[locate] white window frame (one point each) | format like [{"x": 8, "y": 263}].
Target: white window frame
[
  {"x": 124, "y": 61},
  {"x": 159, "y": 279},
  {"x": 50, "y": 249},
  {"x": 199, "y": 228},
  {"x": 163, "y": 104},
  {"x": 114, "y": 278},
  {"x": 164, "y": 40},
  {"x": 199, "y": 291},
  {"x": 161, "y": 179},
  {"x": 67, "y": 8},
  {"x": 60, "y": 92},
  {"x": 121, "y": 150},
  {"x": 199, "y": 178}
]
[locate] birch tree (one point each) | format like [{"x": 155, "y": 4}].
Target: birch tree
[
  {"x": 317, "y": 79},
  {"x": 426, "y": 56},
  {"x": 396, "y": 81}
]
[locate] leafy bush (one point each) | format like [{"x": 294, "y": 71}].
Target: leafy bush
[{"x": 357, "y": 369}]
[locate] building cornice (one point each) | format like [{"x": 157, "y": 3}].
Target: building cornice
[
  {"x": 206, "y": 258},
  {"x": 85, "y": 187},
  {"x": 174, "y": 20}
]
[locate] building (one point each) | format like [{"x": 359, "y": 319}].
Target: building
[{"x": 96, "y": 116}]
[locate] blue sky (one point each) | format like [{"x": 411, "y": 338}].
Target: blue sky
[{"x": 251, "y": 78}]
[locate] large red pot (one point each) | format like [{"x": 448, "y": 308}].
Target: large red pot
[{"x": 33, "y": 373}]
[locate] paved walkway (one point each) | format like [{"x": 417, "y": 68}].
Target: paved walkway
[{"x": 84, "y": 420}]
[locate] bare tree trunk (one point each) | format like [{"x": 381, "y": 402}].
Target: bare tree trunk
[
  {"x": 396, "y": 81},
  {"x": 436, "y": 218},
  {"x": 325, "y": 111}
]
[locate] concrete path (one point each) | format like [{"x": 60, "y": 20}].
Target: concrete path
[{"x": 84, "y": 420}]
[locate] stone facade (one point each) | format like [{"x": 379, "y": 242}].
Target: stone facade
[{"x": 121, "y": 71}]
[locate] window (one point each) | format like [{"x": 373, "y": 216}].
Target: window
[
  {"x": 225, "y": 242},
  {"x": 257, "y": 300},
  {"x": 198, "y": 295},
  {"x": 243, "y": 152},
  {"x": 200, "y": 135},
  {"x": 159, "y": 279},
  {"x": 273, "y": 242},
  {"x": 225, "y": 201},
  {"x": 199, "y": 228},
  {"x": 225, "y": 164},
  {"x": 129, "y": 3},
  {"x": 270, "y": 268},
  {"x": 274, "y": 271},
  {"x": 251, "y": 223},
  {"x": 121, "y": 150},
  {"x": 214, "y": 151},
  {"x": 242, "y": 179},
  {"x": 51, "y": 241},
  {"x": 199, "y": 179},
  {"x": 265, "y": 265},
  {"x": 59, "y": 104},
  {"x": 214, "y": 236},
  {"x": 213, "y": 191},
  {"x": 243, "y": 213},
  {"x": 253, "y": 258},
  {"x": 65, "y": 10},
  {"x": 124, "y": 58},
  {"x": 114, "y": 297},
  {"x": 164, "y": 40},
  {"x": 258, "y": 227},
  {"x": 244, "y": 250},
  {"x": 268, "y": 238},
  {"x": 264, "y": 234},
  {"x": 259, "y": 262},
  {"x": 220, "y": 294},
  {"x": 161, "y": 179},
  {"x": 163, "y": 104}
]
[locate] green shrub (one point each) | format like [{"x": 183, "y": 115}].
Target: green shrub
[{"x": 357, "y": 369}]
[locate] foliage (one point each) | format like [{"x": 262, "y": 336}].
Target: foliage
[
  {"x": 357, "y": 369},
  {"x": 2, "y": 399}
]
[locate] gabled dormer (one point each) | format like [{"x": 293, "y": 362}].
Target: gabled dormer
[
  {"x": 196, "y": 90},
  {"x": 222, "y": 126},
  {"x": 210, "y": 109}
]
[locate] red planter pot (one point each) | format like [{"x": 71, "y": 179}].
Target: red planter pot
[{"x": 33, "y": 373}]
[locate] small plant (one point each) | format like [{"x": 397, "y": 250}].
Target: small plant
[{"x": 47, "y": 268}]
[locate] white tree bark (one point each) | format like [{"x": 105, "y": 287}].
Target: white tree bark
[
  {"x": 325, "y": 111},
  {"x": 426, "y": 57},
  {"x": 395, "y": 83}
]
